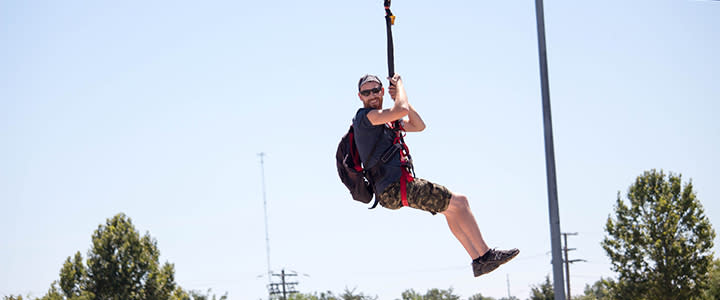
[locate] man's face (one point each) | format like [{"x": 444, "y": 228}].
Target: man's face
[{"x": 371, "y": 94}]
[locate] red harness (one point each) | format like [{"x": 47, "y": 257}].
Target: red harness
[{"x": 405, "y": 160}]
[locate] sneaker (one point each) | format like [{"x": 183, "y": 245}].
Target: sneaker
[{"x": 492, "y": 260}]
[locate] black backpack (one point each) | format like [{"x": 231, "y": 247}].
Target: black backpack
[{"x": 351, "y": 171}]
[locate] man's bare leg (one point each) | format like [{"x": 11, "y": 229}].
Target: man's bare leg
[
  {"x": 462, "y": 224},
  {"x": 460, "y": 236}
]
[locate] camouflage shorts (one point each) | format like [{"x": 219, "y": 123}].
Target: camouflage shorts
[{"x": 421, "y": 194}]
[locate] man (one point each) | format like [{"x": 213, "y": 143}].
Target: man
[{"x": 384, "y": 164}]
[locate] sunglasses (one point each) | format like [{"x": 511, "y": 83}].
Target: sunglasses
[{"x": 373, "y": 90}]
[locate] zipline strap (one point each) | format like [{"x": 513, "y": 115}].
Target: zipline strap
[{"x": 389, "y": 21}]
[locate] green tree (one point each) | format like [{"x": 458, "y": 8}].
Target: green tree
[
  {"x": 54, "y": 294},
  {"x": 432, "y": 294},
  {"x": 346, "y": 295},
  {"x": 73, "y": 278},
  {"x": 197, "y": 295},
  {"x": 713, "y": 293},
  {"x": 411, "y": 295},
  {"x": 301, "y": 296},
  {"x": 124, "y": 265},
  {"x": 314, "y": 296},
  {"x": 328, "y": 296},
  {"x": 121, "y": 265},
  {"x": 350, "y": 295},
  {"x": 479, "y": 296},
  {"x": 660, "y": 242},
  {"x": 543, "y": 291},
  {"x": 180, "y": 294},
  {"x": 437, "y": 294},
  {"x": 598, "y": 291}
]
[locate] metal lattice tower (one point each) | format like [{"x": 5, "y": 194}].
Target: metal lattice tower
[{"x": 267, "y": 235}]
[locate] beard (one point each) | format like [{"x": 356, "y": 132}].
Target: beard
[{"x": 375, "y": 103}]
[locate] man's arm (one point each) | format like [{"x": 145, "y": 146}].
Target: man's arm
[
  {"x": 413, "y": 122},
  {"x": 400, "y": 109}
]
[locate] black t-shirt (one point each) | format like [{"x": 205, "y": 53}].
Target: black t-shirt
[{"x": 366, "y": 135}]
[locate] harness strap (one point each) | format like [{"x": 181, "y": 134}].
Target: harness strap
[
  {"x": 404, "y": 179},
  {"x": 405, "y": 161}
]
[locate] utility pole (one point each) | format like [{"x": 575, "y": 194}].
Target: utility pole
[
  {"x": 283, "y": 287},
  {"x": 568, "y": 261},
  {"x": 549, "y": 157}
]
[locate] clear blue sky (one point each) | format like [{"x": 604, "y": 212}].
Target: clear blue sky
[{"x": 158, "y": 109}]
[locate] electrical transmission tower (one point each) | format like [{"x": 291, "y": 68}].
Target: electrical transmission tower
[
  {"x": 284, "y": 287},
  {"x": 507, "y": 276},
  {"x": 567, "y": 262},
  {"x": 267, "y": 236}
]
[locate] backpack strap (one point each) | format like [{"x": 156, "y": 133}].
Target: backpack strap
[
  {"x": 377, "y": 141},
  {"x": 372, "y": 183}
]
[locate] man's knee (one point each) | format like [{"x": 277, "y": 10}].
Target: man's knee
[{"x": 459, "y": 203}]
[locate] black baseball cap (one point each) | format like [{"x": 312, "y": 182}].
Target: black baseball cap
[{"x": 368, "y": 78}]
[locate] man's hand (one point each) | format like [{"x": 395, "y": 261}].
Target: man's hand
[
  {"x": 394, "y": 82},
  {"x": 413, "y": 122},
  {"x": 400, "y": 108}
]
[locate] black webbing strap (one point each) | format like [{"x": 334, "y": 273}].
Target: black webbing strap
[
  {"x": 365, "y": 170},
  {"x": 389, "y": 21},
  {"x": 374, "y": 147}
]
